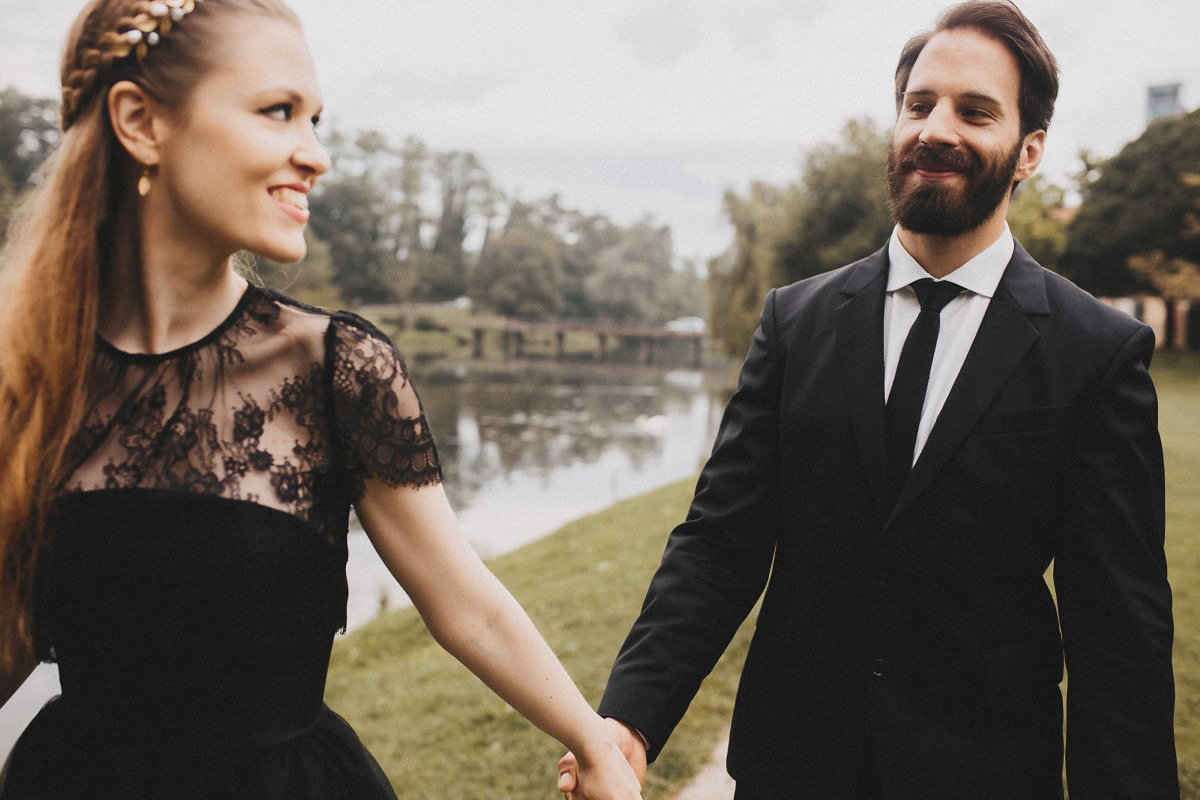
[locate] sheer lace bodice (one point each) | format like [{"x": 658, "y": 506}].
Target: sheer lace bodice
[
  {"x": 194, "y": 572},
  {"x": 282, "y": 405}
]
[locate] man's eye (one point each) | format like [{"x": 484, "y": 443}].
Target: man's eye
[{"x": 279, "y": 111}]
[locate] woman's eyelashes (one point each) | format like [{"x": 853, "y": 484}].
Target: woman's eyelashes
[
  {"x": 284, "y": 112},
  {"x": 279, "y": 111}
]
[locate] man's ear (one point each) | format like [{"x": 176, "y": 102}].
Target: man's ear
[
  {"x": 136, "y": 121},
  {"x": 1032, "y": 150}
]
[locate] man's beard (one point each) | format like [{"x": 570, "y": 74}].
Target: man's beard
[{"x": 933, "y": 208}]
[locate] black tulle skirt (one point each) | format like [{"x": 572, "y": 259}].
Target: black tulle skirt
[{"x": 56, "y": 758}]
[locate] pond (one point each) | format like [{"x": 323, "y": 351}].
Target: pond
[{"x": 527, "y": 450}]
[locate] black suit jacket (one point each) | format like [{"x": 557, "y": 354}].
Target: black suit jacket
[{"x": 914, "y": 651}]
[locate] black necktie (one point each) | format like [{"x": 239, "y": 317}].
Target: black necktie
[{"x": 912, "y": 378}]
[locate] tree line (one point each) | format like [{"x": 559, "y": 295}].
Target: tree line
[
  {"x": 1136, "y": 228},
  {"x": 403, "y": 222},
  {"x": 399, "y": 222}
]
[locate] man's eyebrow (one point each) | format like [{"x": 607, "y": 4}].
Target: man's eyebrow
[{"x": 977, "y": 96}]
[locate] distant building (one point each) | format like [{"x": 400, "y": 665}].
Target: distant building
[{"x": 1162, "y": 101}]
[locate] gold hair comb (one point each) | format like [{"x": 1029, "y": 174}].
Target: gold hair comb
[{"x": 148, "y": 27}]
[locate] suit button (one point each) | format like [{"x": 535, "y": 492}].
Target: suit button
[{"x": 879, "y": 668}]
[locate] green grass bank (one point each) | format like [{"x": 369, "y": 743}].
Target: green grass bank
[
  {"x": 439, "y": 733},
  {"x": 1177, "y": 377}
]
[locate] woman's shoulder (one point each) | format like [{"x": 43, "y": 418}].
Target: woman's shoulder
[
  {"x": 327, "y": 333},
  {"x": 356, "y": 355},
  {"x": 335, "y": 324}
]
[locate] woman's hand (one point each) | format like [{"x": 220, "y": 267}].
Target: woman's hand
[
  {"x": 575, "y": 774},
  {"x": 604, "y": 774}
]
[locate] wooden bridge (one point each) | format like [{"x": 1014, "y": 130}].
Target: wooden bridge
[{"x": 513, "y": 334}]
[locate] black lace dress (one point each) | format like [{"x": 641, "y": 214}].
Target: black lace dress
[{"x": 195, "y": 577}]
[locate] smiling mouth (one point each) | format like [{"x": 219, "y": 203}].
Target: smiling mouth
[
  {"x": 291, "y": 197},
  {"x": 292, "y": 202},
  {"x": 937, "y": 172}
]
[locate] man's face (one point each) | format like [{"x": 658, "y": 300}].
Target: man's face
[{"x": 957, "y": 146}]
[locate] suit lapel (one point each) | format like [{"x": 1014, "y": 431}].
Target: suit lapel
[
  {"x": 1004, "y": 337},
  {"x": 860, "y": 354}
]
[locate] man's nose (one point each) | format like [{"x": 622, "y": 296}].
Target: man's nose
[{"x": 941, "y": 126}]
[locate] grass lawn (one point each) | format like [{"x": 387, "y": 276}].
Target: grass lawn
[
  {"x": 1178, "y": 379},
  {"x": 440, "y": 734}
]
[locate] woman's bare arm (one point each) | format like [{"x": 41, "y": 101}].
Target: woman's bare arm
[{"x": 472, "y": 615}]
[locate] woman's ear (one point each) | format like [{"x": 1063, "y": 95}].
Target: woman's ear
[{"x": 136, "y": 122}]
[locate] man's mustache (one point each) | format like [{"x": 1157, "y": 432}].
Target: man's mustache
[{"x": 925, "y": 156}]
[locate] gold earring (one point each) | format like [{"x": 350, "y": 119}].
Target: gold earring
[{"x": 143, "y": 184}]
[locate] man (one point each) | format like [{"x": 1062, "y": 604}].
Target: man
[{"x": 899, "y": 479}]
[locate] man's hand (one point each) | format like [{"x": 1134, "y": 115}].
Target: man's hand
[{"x": 628, "y": 741}]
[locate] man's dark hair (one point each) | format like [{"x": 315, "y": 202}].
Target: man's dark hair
[{"x": 1003, "y": 21}]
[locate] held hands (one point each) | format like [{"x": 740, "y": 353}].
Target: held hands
[{"x": 606, "y": 775}]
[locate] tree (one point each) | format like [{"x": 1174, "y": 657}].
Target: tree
[
  {"x": 630, "y": 276},
  {"x": 353, "y": 215},
  {"x": 838, "y": 213},
  {"x": 588, "y": 235},
  {"x": 369, "y": 211},
  {"x": 1036, "y": 215},
  {"x": 406, "y": 181},
  {"x": 1176, "y": 276},
  {"x": 834, "y": 214},
  {"x": 740, "y": 277},
  {"x": 1138, "y": 205},
  {"x": 8, "y": 200},
  {"x": 519, "y": 273},
  {"x": 28, "y": 134},
  {"x": 466, "y": 195},
  {"x": 684, "y": 294}
]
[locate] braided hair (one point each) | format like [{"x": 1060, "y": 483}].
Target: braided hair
[
  {"x": 95, "y": 55},
  {"x": 80, "y": 212}
]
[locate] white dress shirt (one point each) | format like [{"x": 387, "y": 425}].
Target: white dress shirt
[{"x": 979, "y": 278}]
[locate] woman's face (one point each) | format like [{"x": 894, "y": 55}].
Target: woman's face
[{"x": 238, "y": 160}]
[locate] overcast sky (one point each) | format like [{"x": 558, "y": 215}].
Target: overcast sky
[{"x": 635, "y": 107}]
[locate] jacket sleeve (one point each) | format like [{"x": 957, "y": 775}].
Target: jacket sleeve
[
  {"x": 716, "y": 562},
  {"x": 1114, "y": 600}
]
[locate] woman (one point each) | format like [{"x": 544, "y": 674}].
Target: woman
[{"x": 179, "y": 450}]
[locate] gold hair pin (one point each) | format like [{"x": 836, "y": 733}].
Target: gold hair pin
[{"x": 148, "y": 27}]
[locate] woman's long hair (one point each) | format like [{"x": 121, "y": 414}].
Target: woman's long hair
[{"x": 58, "y": 257}]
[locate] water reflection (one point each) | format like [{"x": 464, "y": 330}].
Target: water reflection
[
  {"x": 490, "y": 424},
  {"x": 526, "y": 450}
]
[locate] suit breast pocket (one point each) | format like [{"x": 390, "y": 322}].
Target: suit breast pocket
[
  {"x": 1019, "y": 456},
  {"x": 1045, "y": 419}
]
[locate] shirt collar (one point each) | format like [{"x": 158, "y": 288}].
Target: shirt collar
[{"x": 980, "y": 275}]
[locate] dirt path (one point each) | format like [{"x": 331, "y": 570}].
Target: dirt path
[{"x": 712, "y": 782}]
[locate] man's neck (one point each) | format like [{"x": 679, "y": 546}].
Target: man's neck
[{"x": 941, "y": 255}]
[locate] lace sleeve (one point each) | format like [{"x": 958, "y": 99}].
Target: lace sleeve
[{"x": 381, "y": 428}]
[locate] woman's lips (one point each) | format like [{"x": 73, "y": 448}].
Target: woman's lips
[{"x": 293, "y": 202}]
